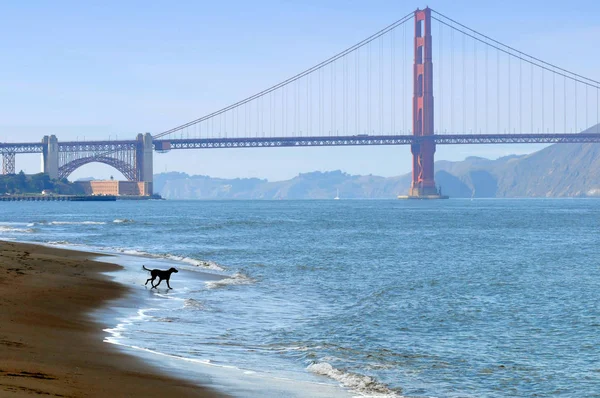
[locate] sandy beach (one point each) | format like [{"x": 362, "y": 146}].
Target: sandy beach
[{"x": 49, "y": 345}]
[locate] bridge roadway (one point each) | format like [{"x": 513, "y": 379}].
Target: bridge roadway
[
  {"x": 440, "y": 139},
  {"x": 69, "y": 146},
  {"x": 274, "y": 142}
]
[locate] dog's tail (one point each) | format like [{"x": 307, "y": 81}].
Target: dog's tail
[{"x": 144, "y": 267}]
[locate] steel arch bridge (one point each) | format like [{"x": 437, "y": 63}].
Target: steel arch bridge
[{"x": 120, "y": 155}]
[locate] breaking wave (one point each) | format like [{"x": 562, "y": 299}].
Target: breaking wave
[
  {"x": 365, "y": 385},
  {"x": 193, "y": 304},
  {"x": 236, "y": 279},
  {"x": 123, "y": 221},
  {"x": 188, "y": 260},
  {"x": 59, "y": 243},
  {"x": 209, "y": 265},
  {"x": 9, "y": 229},
  {"x": 77, "y": 223}
]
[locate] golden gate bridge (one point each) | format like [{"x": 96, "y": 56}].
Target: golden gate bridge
[{"x": 379, "y": 91}]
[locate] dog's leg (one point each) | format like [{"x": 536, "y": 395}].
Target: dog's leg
[
  {"x": 149, "y": 279},
  {"x": 168, "y": 284}
]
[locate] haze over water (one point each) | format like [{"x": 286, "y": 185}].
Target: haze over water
[{"x": 437, "y": 298}]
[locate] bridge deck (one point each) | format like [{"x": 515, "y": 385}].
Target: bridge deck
[
  {"x": 275, "y": 142},
  {"x": 440, "y": 139}
]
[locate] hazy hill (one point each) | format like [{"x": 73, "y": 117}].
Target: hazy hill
[
  {"x": 315, "y": 185},
  {"x": 567, "y": 170}
]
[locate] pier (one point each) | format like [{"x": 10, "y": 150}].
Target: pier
[{"x": 59, "y": 198}]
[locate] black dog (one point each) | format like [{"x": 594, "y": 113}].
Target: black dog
[{"x": 166, "y": 275}]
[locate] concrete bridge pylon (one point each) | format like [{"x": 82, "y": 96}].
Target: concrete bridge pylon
[
  {"x": 143, "y": 157},
  {"x": 50, "y": 156}
]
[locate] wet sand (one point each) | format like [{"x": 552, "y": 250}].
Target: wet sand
[{"x": 50, "y": 346}]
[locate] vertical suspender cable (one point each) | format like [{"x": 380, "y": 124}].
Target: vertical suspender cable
[
  {"x": 271, "y": 115},
  {"x": 464, "y": 86},
  {"x": 404, "y": 77},
  {"x": 597, "y": 110},
  {"x": 322, "y": 101},
  {"x": 509, "y": 94},
  {"x": 333, "y": 110},
  {"x": 440, "y": 83},
  {"x": 531, "y": 98},
  {"x": 554, "y": 102},
  {"x": 368, "y": 83},
  {"x": 586, "y": 107},
  {"x": 345, "y": 98},
  {"x": 452, "y": 81},
  {"x": 393, "y": 82},
  {"x": 475, "y": 86},
  {"x": 310, "y": 131},
  {"x": 381, "y": 102},
  {"x": 298, "y": 109},
  {"x": 307, "y": 132},
  {"x": 520, "y": 96},
  {"x": 565, "y": 103},
  {"x": 576, "y": 113},
  {"x": 368, "y": 89},
  {"x": 543, "y": 105},
  {"x": 498, "y": 89},
  {"x": 319, "y": 101},
  {"x": 356, "y": 89}
]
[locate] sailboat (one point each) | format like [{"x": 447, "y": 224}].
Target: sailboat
[{"x": 337, "y": 195}]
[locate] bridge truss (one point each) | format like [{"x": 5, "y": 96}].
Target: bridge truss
[
  {"x": 121, "y": 155},
  {"x": 438, "y": 139}
]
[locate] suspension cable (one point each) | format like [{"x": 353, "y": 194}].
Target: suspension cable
[
  {"x": 362, "y": 43},
  {"x": 550, "y": 67},
  {"x": 513, "y": 49}
]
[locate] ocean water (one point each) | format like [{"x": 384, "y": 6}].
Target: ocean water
[{"x": 455, "y": 298}]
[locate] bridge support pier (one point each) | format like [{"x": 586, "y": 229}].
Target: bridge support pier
[
  {"x": 423, "y": 183},
  {"x": 143, "y": 159},
  {"x": 50, "y": 156},
  {"x": 8, "y": 163}
]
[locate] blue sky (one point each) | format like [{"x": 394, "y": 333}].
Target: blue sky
[{"x": 99, "y": 69}]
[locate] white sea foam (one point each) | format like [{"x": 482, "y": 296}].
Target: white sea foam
[
  {"x": 192, "y": 261},
  {"x": 200, "y": 361},
  {"x": 59, "y": 243},
  {"x": 365, "y": 385},
  {"x": 209, "y": 265},
  {"x": 122, "y": 221},
  {"x": 9, "y": 229},
  {"x": 198, "y": 263},
  {"x": 236, "y": 279},
  {"x": 116, "y": 332},
  {"x": 193, "y": 304},
  {"x": 77, "y": 222}
]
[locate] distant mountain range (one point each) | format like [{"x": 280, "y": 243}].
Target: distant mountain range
[{"x": 565, "y": 170}]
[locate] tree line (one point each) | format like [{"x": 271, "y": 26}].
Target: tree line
[{"x": 21, "y": 183}]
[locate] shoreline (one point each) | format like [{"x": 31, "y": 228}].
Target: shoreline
[{"x": 49, "y": 342}]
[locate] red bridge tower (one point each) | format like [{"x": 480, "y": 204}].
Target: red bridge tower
[{"x": 423, "y": 184}]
